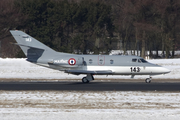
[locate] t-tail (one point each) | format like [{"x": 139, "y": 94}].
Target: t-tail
[{"x": 31, "y": 47}]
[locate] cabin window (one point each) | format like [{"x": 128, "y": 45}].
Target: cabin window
[
  {"x": 100, "y": 61},
  {"x": 90, "y": 61},
  {"x": 134, "y": 60},
  {"x": 111, "y": 61}
]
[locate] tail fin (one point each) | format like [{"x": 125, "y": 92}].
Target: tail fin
[{"x": 32, "y": 48}]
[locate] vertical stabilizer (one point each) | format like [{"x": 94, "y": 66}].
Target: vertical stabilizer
[{"x": 31, "y": 47}]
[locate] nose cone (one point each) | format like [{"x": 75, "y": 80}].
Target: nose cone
[{"x": 165, "y": 70}]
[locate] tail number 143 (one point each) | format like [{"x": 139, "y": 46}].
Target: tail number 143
[{"x": 135, "y": 69}]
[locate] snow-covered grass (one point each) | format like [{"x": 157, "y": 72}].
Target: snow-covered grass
[
  {"x": 20, "y": 68},
  {"x": 89, "y": 105},
  {"x": 73, "y": 105}
]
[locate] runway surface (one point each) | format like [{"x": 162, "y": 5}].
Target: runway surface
[{"x": 92, "y": 86}]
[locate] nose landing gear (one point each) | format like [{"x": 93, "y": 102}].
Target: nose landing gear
[{"x": 148, "y": 80}]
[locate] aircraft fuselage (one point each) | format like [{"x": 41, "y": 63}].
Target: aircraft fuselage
[{"x": 118, "y": 64}]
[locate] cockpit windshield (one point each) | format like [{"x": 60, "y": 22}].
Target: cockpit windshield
[
  {"x": 143, "y": 61},
  {"x": 139, "y": 60}
]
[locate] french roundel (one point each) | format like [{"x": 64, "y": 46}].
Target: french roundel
[{"x": 72, "y": 61}]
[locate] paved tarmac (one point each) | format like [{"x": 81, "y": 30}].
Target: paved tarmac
[{"x": 92, "y": 86}]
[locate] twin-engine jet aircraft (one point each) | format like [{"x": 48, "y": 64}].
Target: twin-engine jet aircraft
[{"x": 90, "y": 65}]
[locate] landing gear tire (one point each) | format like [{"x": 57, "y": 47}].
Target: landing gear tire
[
  {"x": 85, "y": 80},
  {"x": 148, "y": 80}
]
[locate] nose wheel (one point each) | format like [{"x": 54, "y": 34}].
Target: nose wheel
[{"x": 148, "y": 80}]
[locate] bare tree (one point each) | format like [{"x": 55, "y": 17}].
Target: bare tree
[{"x": 10, "y": 18}]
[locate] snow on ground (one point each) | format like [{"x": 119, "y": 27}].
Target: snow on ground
[
  {"x": 63, "y": 105},
  {"x": 109, "y": 105},
  {"x": 20, "y": 68}
]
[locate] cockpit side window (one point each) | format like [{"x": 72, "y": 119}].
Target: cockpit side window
[
  {"x": 143, "y": 61},
  {"x": 134, "y": 60}
]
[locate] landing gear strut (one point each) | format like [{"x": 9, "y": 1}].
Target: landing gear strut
[
  {"x": 88, "y": 78},
  {"x": 148, "y": 80}
]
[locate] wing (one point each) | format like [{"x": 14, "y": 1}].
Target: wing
[{"x": 77, "y": 72}]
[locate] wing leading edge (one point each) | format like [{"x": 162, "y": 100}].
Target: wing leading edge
[{"x": 77, "y": 72}]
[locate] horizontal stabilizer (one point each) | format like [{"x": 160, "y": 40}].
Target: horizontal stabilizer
[
  {"x": 29, "y": 46},
  {"x": 77, "y": 72}
]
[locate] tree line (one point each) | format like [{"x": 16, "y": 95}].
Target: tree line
[{"x": 86, "y": 26}]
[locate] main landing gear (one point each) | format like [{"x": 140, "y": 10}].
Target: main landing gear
[
  {"x": 88, "y": 78},
  {"x": 85, "y": 80},
  {"x": 148, "y": 80}
]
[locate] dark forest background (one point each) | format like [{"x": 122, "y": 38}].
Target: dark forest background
[{"x": 98, "y": 26}]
